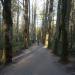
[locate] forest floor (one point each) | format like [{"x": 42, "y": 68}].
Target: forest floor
[{"x": 37, "y": 60}]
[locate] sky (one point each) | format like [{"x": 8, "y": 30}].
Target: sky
[{"x": 40, "y": 5}]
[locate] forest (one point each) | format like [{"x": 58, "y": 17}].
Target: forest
[{"x": 25, "y": 23}]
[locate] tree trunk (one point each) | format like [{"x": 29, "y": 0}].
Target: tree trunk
[
  {"x": 7, "y": 31},
  {"x": 64, "y": 56},
  {"x": 58, "y": 29},
  {"x": 17, "y": 38},
  {"x": 26, "y": 29},
  {"x": 50, "y": 19},
  {"x": 45, "y": 23}
]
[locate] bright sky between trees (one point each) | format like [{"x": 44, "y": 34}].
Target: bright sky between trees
[{"x": 39, "y": 8}]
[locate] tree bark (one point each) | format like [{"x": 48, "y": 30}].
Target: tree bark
[
  {"x": 64, "y": 56},
  {"x": 58, "y": 29},
  {"x": 17, "y": 38},
  {"x": 50, "y": 19},
  {"x": 26, "y": 28},
  {"x": 7, "y": 19}
]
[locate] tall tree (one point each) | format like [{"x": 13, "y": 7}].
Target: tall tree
[
  {"x": 26, "y": 28},
  {"x": 63, "y": 15},
  {"x": 58, "y": 29},
  {"x": 1, "y": 36},
  {"x": 7, "y": 19},
  {"x": 45, "y": 23},
  {"x": 17, "y": 21},
  {"x": 33, "y": 21},
  {"x": 64, "y": 27},
  {"x": 49, "y": 22}
]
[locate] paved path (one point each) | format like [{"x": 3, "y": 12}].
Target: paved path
[{"x": 38, "y": 61}]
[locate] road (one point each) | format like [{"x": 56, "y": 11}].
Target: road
[{"x": 38, "y": 61}]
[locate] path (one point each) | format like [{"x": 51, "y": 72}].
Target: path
[{"x": 38, "y": 61}]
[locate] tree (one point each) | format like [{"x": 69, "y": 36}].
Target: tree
[
  {"x": 17, "y": 21},
  {"x": 62, "y": 28},
  {"x": 26, "y": 28},
  {"x": 33, "y": 28},
  {"x": 45, "y": 23},
  {"x": 7, "y": 19},
  {"x": 64, "y": 33},
  {"x": 58, "y": 29},
  {"x": 1, "y": 28},
  {"x": 49, "y": 23}
]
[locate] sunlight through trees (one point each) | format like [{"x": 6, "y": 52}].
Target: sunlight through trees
[{"x": 25, "y": 22}]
